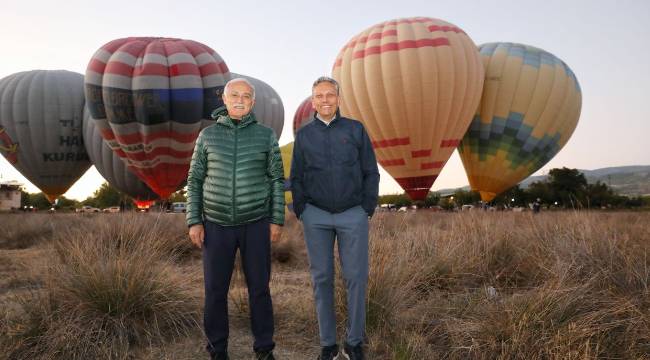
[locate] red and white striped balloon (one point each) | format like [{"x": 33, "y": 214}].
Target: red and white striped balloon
[
  {"x": 150, "y": 98},
  {"x": 304, "y": 114}
]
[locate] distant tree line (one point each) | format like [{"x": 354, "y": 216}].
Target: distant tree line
[
  {"x": 563, "y": 188},
  {"x": 104, "y": 197}
]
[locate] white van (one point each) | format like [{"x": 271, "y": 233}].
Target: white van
[{"x": 178, "y": 207}]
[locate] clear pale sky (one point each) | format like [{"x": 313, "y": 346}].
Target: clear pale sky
[{"x": 290, "y": 43}]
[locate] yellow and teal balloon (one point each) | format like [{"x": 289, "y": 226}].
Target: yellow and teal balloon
[
  {"x": 286, "y": 152},
  {"x": 529, "y": 108}
]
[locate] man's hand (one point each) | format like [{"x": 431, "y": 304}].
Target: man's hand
[
  {"x": 197, "y": 233},
  {"x": 276, "y": 230}
]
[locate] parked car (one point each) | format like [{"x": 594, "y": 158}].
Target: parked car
[
  {"x": 178, "y": 207},
  {"x": 87, "y": 209},
  {"x": 112, "y": 209}
]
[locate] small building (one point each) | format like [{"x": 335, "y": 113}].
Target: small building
[{"x": 10, "y": 195}]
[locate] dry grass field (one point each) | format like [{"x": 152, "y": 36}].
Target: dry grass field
[{"x": 476, "y": 285}]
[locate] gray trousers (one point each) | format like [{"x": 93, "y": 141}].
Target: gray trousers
[{"x": 350, "y": 228}]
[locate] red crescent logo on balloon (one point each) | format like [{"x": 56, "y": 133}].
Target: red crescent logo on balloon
[{"x": 8, "y": 147}]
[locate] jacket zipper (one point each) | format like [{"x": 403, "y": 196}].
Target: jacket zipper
[
  {"x": 234, "y": 168},
  {"x": 328, "y": 145}
]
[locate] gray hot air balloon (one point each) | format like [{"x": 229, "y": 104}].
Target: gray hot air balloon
[
  {"x": 41, "y": 114},
  {"x": 111, "y": 167},
  {"x": 268, "y": 107}
]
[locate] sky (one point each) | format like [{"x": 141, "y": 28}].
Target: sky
[{"x": 288, "y": 44}]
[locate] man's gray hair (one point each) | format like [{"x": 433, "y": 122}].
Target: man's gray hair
[
  {"x": 327, "y": 79},
  {"x": 240, "y": 79}
]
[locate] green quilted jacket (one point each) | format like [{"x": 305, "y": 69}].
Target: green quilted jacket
[{"x": 236, "y": 174}]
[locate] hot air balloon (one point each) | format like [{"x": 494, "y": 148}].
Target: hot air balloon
[
  {"x": 150, "y": 98},
  {"x": 41, "y": 113},
  {"x": 304, "y": 114},
  {"x": 268, "y": 107},
  {"x": 286, "y": 151},
  {"x": 529, "y": 109},
  {"x": 112, "y": 168},
  {"x": 415, "y": 84}
]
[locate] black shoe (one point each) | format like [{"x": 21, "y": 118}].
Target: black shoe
[
  {"x": 219, "y": 356},
  {"x": 264, "y": 355},
  {"x": 353, "y": 352},
  {"x": 329, "y": 353}
]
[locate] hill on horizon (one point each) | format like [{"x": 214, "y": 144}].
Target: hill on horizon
[{"x": 625, "y": 180}]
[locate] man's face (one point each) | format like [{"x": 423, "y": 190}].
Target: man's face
[
  {"x": 325, "y": 100},
  {"x": 238, "y": 99}
]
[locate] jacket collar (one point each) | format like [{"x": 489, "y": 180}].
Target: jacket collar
[
  {"x": 221, "y": 116},
  {"x": 320, "y": 122}
]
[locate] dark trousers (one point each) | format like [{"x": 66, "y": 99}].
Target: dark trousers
[{"x": 219, "y": 250}]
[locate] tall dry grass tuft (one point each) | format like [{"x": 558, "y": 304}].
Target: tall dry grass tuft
[
  {"x": 21, "y": 231},
  {"x": 107, "y": 290},
  {"x": 167, "y": 232},
  {"x": 570, "y": 285}
]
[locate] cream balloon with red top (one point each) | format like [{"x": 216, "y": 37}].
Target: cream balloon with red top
[{"x": 415, "y": 84}]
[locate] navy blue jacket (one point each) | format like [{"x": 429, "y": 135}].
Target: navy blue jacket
[{"x": 334, "y": 167}]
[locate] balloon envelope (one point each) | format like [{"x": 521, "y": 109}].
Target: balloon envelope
[
  {"x": 415, "y": 84},
  {"x": 286, "y": 152},
  {"x": 111, "y": 167},
  {"x": 268, "y": 108},
  {"x": 304, "y": 114},
  {"x": 41, "y": 115},
  {"x": 530, "y": 107},
  {"x": 150, "y": 98}
]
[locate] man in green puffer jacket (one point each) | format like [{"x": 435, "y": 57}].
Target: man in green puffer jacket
[{"x": 235, "y": 199}]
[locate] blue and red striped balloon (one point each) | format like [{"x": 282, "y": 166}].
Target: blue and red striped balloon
[{"x": 150, "y": 98}]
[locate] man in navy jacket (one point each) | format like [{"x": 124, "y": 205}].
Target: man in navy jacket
[{"x": 335, "y": 184}]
